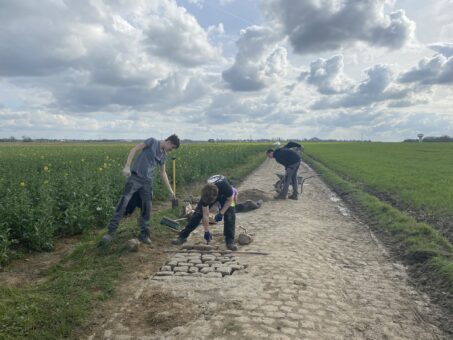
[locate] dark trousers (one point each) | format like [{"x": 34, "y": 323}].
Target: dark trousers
[
  {"x": 229, "y": 224},
  {"x": 144, "y": 188},
  {"x": 290, "y": 178}
]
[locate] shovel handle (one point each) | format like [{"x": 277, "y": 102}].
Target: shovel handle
[{"x": 174, "y": 175}]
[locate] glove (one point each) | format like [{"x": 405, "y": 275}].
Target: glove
[
  {"x": 218, "y": 217},
  {"x": 126, "y": 171},
  {"x": 207, "y": 236}
]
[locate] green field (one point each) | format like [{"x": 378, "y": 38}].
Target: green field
[
  {"x": 413, "y": 176},
  {"x": 51, "y": 190},
  {"x": 404, "y": 192}
]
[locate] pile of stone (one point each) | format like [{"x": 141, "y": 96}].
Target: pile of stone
[{"x": 196, "y": 263}]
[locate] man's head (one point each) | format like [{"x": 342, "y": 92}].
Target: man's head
[
  {"x": 270, "y": 153},
  {"x": 209, "y": 193},
  {"x": 171, "y": 143}
]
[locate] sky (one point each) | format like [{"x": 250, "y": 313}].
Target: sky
[{"x": 378, "y": 70}]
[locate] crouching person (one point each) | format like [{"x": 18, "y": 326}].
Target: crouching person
[{"x": 217, "y": 189}]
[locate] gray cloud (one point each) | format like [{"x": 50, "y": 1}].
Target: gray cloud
[
  {"x": 327, "y": 75},
  {"x": 316, "y": 26},
  {"x": 446, "y": 49},
  {"x": 435, "y": 70},
  {"x": 378, "y": 87}
]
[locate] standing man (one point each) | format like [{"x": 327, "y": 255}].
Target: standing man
[
  {"x": 291, "y": 161},
  {"x": 140, "y": 181},
  {"x": 218, "y": 189}
]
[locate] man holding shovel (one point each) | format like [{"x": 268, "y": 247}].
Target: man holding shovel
[
  {"x": 218, "y": 189},
  {"x": 140, "y": 181}
]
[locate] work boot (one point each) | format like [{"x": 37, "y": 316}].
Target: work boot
[
  {"x": 293, "y": 197},
  {"x": 143, "y": 238},
  {"x": 232, "y": 246},
  {"x": 278, "y": 197},
  {"x": 106, "y": 239},
  {"x": 178, "y": 241}
]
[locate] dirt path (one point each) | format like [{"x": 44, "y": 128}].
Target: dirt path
[{"x": 327, "y": 277}]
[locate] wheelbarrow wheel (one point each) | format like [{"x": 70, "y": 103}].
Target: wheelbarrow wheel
[{"x": 279, "y": 186}]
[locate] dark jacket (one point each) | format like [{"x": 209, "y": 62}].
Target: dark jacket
[{"x": 286, "y": 157}]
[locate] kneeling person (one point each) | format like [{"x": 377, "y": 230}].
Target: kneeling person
[{"x": 218, "y": 190}]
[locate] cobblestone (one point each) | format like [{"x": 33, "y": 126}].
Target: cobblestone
[{"x": 325, "y": 278}]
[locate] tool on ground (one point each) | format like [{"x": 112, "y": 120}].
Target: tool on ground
[
  {"x": 174, "y": 201},
  {"x": 172, "y": 224},
  {"x": 300, "y": 180}
]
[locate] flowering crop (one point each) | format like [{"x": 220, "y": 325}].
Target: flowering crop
[{"x": 50, "y": 190}]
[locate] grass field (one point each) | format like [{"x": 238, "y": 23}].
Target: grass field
[
  {"x": 413, "y": 176},
  {"x": 51, "y": 190}
]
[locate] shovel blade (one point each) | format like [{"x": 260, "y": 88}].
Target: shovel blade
[{"x": 169, "y": 223}]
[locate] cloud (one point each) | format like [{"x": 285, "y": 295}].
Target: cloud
[
  {"x": 446, "y": 49},
  {"x": 378, "y": 87},
  {"x": 259, "y": 60},
  {"x": 430, "y": 71},
  {"x": 95, "y": 55},
  {"x": 327, "y": 75},
  {"x": 228, "y": 108},
  {"x": 170, "y": 32},
  {"x": 316, "y": 26}
]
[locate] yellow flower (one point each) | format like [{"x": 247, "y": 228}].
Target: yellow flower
[
  {"x": 46, "y": 168},
  {"x": 100, "y": 169},
  {"x": 22, "y": 184}
]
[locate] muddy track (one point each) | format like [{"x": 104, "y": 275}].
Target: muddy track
[{"x": 327, "y": 277}]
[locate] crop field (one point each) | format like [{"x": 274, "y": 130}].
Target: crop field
[
  {"x": 416, "y": 177},
  {"x": 51, "y": 190}
]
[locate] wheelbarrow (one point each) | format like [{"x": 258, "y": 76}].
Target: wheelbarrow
[{"x": 300, "y": 181}]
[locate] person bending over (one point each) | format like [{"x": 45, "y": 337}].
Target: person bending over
[{"x": 218, "y": 189}]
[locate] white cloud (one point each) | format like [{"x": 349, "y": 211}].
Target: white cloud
[
  {"x": 259, "y": 60},
  {"x": 170, "y": 32},
  {"x": 328, "y": 76}
]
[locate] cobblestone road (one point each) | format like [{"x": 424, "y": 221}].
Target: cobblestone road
[{"x": 326, "y": 277}]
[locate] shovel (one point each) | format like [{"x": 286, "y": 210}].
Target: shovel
[
  {"x": 172, "y": 224},
  {"x": 174, "y": 201}
]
